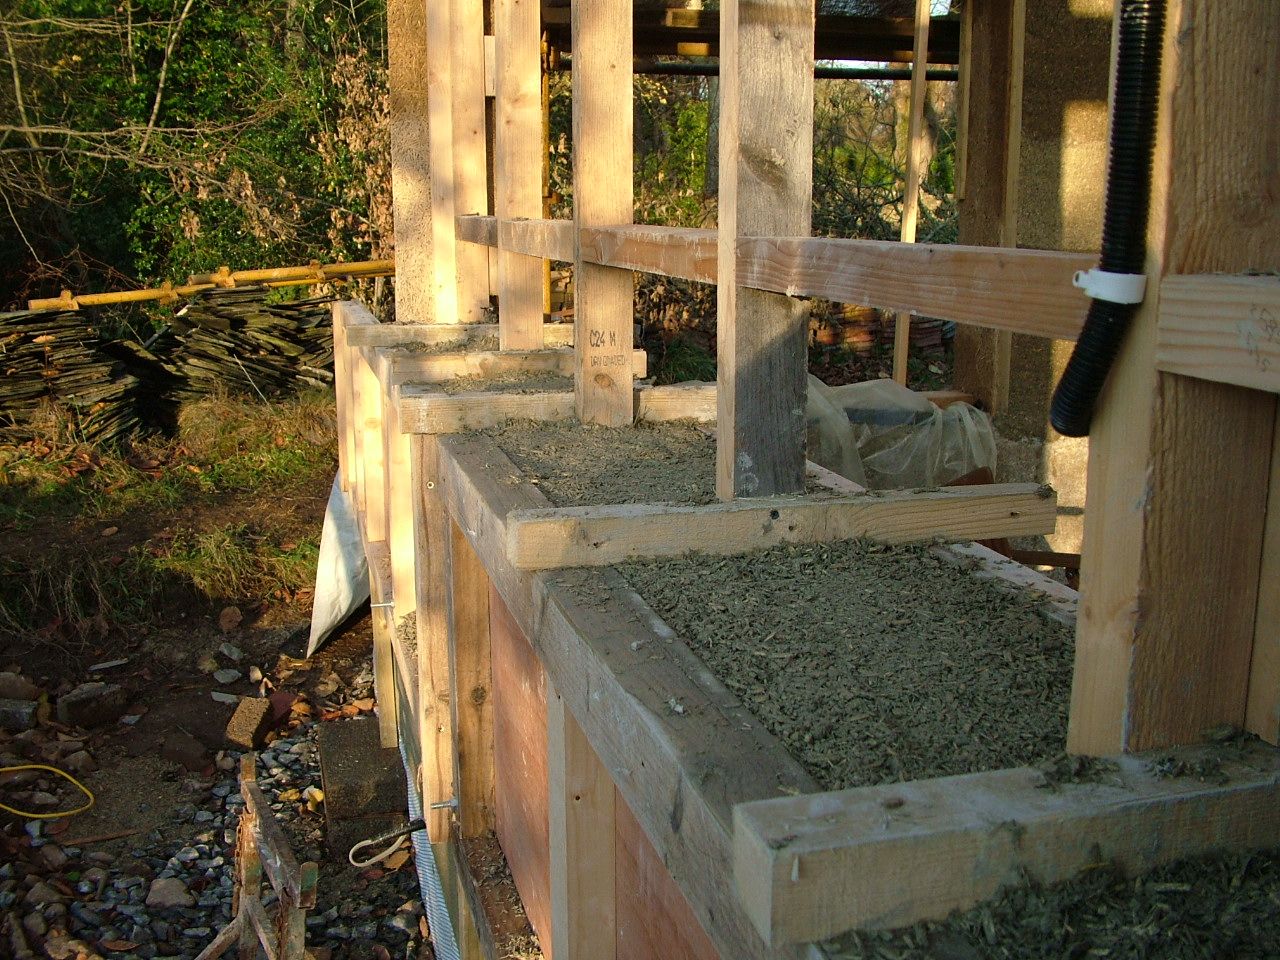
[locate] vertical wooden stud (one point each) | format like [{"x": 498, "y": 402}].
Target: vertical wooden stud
[
  {"x": 410, "y": 160},
  {"x": 470, "y": 151},
  {"x": 397, "y": 492},
  {"x": 472, "y": 672},
  {"x": 444, "y": 244},
  {"x": 517, "y": 166},
  {"x": 581, "y": 822},
  {"x": 370, "y": 449},
  {"x": 1178, "y": 467},
  {"x": 766, "y": 180},
  {"x": 991, "y": 62},
  {"x": 915, "y": 159},
  {"x": 435, "y": 725},
  {"x": 341, "y": 396},
  {"x": 602, "y": 196}
]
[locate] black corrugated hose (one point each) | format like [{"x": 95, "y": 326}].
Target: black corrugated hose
[{"x": 1133, "y": 129}]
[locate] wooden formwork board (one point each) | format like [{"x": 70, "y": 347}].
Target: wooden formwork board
[
  {"x": 708, "y": 785},
  {"x": 424, "y": 409},
  {"x": 374, "y": 334},
  {"x": 425, "y": 367}
]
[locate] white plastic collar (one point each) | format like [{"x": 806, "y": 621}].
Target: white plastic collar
[{"x": 1112, "y": 287}]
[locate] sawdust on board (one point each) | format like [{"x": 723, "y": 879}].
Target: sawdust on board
[
  {"x": 462, "y": 344},
  {"x": 873, "y": 664}
]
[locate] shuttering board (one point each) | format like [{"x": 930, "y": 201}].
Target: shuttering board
[
  {"x": 654, "y": 920},
  {"x": 520, "y": 764}
]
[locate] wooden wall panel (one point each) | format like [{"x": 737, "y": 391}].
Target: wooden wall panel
[
  {"x": 520, "y": 764},
  {"x": 654, "y": 921}
]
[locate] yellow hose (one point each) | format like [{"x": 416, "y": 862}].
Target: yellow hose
[{"x": 47, "y": 816}]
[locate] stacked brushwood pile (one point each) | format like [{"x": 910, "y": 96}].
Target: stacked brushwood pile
[
  {"x": 55, "y": 366},
  {"x": 232, "y": 340},
  {"x": 59, "y": 367}
]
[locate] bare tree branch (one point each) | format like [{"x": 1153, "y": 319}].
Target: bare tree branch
[{"x": 164, "y": 71}]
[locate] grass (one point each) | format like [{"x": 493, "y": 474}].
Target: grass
[{"x": 226, "y": 510}]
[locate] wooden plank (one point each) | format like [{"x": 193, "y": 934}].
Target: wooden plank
[
  {"x": 396, "y": 334},
  {"x": 440, "y": 150},
  {"x": 1221, "y": 328},
  {"x": 766, "y": 184},
  {"x": 676, "y": 401},
  {"x": 688, "y": 253},
  {"x": 424, "y": 410},
  {"x": 409, "y": 129},
  {"x": 435, "y": 683},
  {"x": 378, "y": 557},
  {"x": 604, "y": 535},
  {"x": 581, "y": 815},
  {"x": 1263, "y": 712},
  {"x": 1021, "y": 291},
  {"x": 369, "y": 450},
  {"x": 602, "y": 196},
  {"x": 287, "y": 876},
  {"x": 911, "y": 189},
  {"x": 472, "y": 672},
  {"x": 517, "y": 165},
  {"x": 1026, "y": 291},
  {"x": 427, "y": 367},
  {"x": 397, "y": 492},
  {"x": 1167, "y": 623},
  {"x": 342, "y": 395},
  {"x": 812, "y": 866},
  {"x": 653, "y": 917},
  {"x": 520, "y": 764},
  {"x": 470, "y": 152},
  {"x": 473, "y": 228},
  {"x": 620, "y": 670},
  {"x": 545, "y": 239}
]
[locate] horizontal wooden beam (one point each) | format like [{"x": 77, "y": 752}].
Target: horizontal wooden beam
[
  {"x": 812, "y": 866},
  {"x": 1222, "y": 328},
  {"x": 376, "y": 334},
  {"x": 684, "y": 252},
  {"x": 474, "y": 228},
  {"x": 603, "y": 535},
  {"x": 428, "y": 367},
  {"x": 424, "y": 409},
  {"x": 548, "y": 239},
  {"x": 1026, "y": 291}
]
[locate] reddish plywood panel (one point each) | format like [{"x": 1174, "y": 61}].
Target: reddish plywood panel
[
  {"x": 520, "y": 764},
  {"x": 654, "y": 920}
]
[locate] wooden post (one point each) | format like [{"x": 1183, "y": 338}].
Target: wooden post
[
  {"x": 993, "y": 38},
  {"x": 470, "y": 151},
  {"x": 342, "y": 396},
  {"x": 444, "y": 210},
  {"x": 1263, "y": 717},
  {"x": 248, "y": 880},
  {"x": 472, "y": 671},
  {"x": 581, "y": 822},
  {"x": 517, "y": 166},
  {"x": 410, "y": 161},
  {"x": 766, "y": 178},
  {"x": 435, "y": 686},
  {"x": 397, "y": 492},
  {"x": 915, "y": 158},
  {"x": 1179, "y": 467},
  {"x": 602, "y": 196}
]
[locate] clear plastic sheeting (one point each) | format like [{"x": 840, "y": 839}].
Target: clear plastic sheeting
[
  {"x": 830, "y": 441},
  {"x": 342, "y": 571},
  {"x": 901, "y": 439}
]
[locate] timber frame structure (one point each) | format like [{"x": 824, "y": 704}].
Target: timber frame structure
[{"x": 633, "y": 830}]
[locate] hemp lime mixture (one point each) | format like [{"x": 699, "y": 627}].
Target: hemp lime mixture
[
  {"x": 577, "y": 464},
  {"x": 873, "y": 664},
  {"x": 1206, "y": 907},
  {"x": 507, "y": 383},
  {"x": 460, "y": 345}
]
